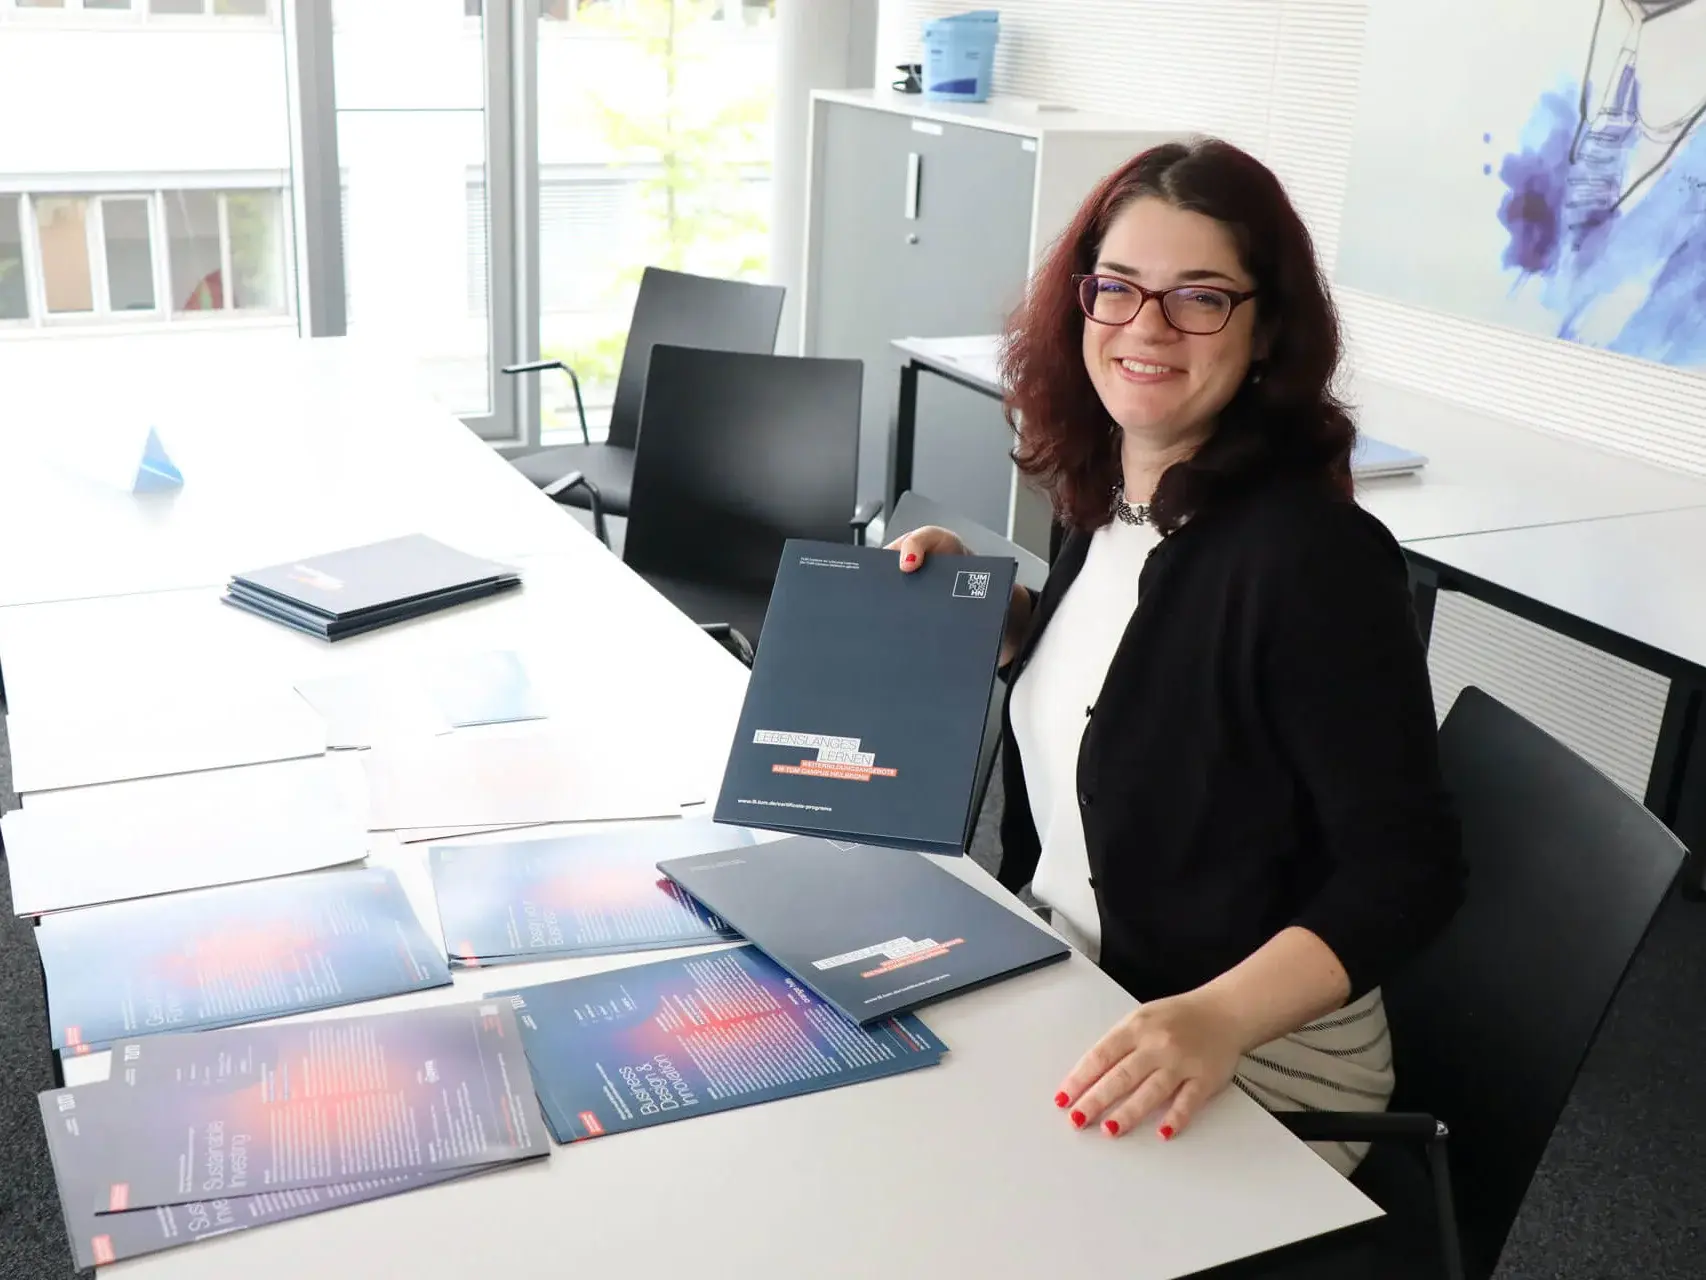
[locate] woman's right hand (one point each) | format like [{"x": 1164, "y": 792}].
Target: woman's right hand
[
  {"x": 933, "y": 540},
  {"x": 927, "y": 540}
]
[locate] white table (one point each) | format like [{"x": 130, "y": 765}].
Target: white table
[
  {"x": 287, "y": 449},
  {"x": 1483, "y": 473},
  {"x": 905, "y": 1176},
  {"x": 1634, "y": 586}
]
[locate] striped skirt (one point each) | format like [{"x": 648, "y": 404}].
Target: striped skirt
[{"x": 1342, "y": 1062}]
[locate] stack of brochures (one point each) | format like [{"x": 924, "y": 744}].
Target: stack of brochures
[
  {"x": 233, "y": 954},
  {"x": 591, "y": 894},
  {"x": 686, "y": 1037},
  {"x": 196, "y": 1135},
  {"x": 344, "y": 593}
]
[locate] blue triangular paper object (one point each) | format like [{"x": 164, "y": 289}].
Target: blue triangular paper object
[{"x": 157, "y": 472}]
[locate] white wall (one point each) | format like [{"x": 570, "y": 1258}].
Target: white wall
[{"x": 1280, "y": 78}]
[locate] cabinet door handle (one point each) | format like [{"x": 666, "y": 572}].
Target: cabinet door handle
[{"x": 914, "y": 162}]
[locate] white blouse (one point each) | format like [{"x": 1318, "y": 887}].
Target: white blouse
[{"x": 1049, "y": 711}]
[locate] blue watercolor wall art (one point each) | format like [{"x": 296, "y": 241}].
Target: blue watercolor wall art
[{"x": 1539, "y": 164}]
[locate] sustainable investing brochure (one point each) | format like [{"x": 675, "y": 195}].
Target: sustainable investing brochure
[
  {"x": 232, "y": 954},
  {"x": 285, "y": 1107},
  {"x": 869, "y": 693},
  {"x": 78, "y": 1142},
  {"x": 683, "y": 1037},
  {"x": 571, "y": 895},
  {"x": 873, "y": 931}
]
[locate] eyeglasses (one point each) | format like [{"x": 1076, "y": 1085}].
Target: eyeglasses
[{"x": 1192, "y": 308}]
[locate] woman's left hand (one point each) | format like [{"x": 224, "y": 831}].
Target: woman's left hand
[{"x": 1177, "y": 1052}]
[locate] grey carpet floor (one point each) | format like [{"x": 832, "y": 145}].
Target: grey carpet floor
[{"x": 1620, "y": 1194}]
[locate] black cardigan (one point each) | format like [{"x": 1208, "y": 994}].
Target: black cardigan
[{"x": 1262, "y": 752}]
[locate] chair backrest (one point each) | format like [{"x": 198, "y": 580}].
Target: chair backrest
[
  {"x": 1491, "y": 1023},
  {"x": 738, "y": 453},
  {"x": 913, "y": 512},
  {"x": 688, "y": 311}
]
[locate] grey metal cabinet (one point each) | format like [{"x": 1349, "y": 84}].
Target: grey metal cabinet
[
  {"x": 918, "y": 228},
  {"x": 925, "y": 220}
]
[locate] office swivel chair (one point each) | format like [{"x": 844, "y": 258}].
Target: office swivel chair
[
  {"x": 738, "y": 453},
  {"x": 672, "y": 307},
  {"x": 912, "y": 511},
  {"x": 1490, "y": 1025}
]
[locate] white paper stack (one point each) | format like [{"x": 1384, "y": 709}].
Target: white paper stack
[
  {"x": 488, "y": 779},
  {"x": 116, "y": 739},
  {"x": 161, "y": 835}
]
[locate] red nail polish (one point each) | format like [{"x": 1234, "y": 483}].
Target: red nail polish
[
  {"x": 1077, "y": 1119},
  {"x": 1166, "y": 1132},
  {"x": 910, "y": 557},
  {"x": 1060, "y": 1099},
  {"x": 1112, "y": 1126}
]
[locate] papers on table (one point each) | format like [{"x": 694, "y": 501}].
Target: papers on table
[
  {"x": 979, "y": 355},
  {"x": 220, "y": 1130},
  {"x": 574, "y": 895},
  {"x": 684, "y": 1037},
  {"x": 422, "y": 699},
  {"x": 482, "y": 778},
  {"x": 237, "y": 953},
  {"x": 151, "y": 734},
  {"x": 162, "y": 835},
  {"x": 872, "y": 931}
]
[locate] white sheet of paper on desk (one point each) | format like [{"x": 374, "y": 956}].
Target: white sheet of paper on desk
[
  {"x": 978, "y": 355},
  {"x": 422, "y": 698},
  {"x": 481, "y": 778},
  {"x": 109, "y": 739},
  {"x": 162, "y": 835}
]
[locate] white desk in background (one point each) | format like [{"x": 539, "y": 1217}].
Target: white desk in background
[
  {"x": 288, "y": 449},
  {"x": 1633, "y": 586},
  {"x": 902, "y": 1176},
  {"x": 1484, "y": 472}
]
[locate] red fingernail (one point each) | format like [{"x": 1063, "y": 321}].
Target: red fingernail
[
  {"x": 1077, "y": 1119},
  {"x": 1112, "y": 1126},
  {"x": 1060, "y": 1099},
  {"x": 1166, "y": 1132},
  {"x": 910, "y": 557}
]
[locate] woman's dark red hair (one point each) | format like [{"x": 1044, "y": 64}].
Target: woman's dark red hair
[{"x": 1284, "y": 417}]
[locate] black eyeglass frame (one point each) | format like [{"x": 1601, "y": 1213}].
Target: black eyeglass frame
[{"x": 1235, "y": 297}]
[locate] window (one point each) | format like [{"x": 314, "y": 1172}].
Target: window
[
  {"x": 410, "y": 132},
  {"x": 14, "y": 289},
  {"x": 653, "y": 149},
  {"x": 219, "y": 8},
  {"x": 62, "y": 234},
  {"x": 129, "y": 257}
]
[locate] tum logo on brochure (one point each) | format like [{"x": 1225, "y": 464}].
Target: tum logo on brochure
[{"x": 971, "y": 586}]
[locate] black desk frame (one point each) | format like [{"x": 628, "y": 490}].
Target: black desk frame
[
  {"x": 903, "y": 438},
  {"x": 1676, "y": 782}
]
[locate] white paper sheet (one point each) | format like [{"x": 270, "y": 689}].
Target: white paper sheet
[
  {"x": 113, "y": 739},
  {"x": 162, "y": 835},
  {"x": 481, "y": 778}
]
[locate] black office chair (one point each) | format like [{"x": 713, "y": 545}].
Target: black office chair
[
  {"x": 672, "y": 307},
  {"x": 738, "y": 453},
  {"x": 1490, "y": 1025},
  {"x": 912, "y": 511}
]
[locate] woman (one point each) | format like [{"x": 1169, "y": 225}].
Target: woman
[{"x": 1219, "y": 750}]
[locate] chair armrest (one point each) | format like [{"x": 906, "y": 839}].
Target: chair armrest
[
  {"x": 1361, "y": 1126},
  {"x": 863, "y": 514},
  {"x": 730, "y": 639},
  {"x": 534, "y": 366},
  {"x": 1412, "y": 1127},
  {"x": 595, "y": 500}
]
